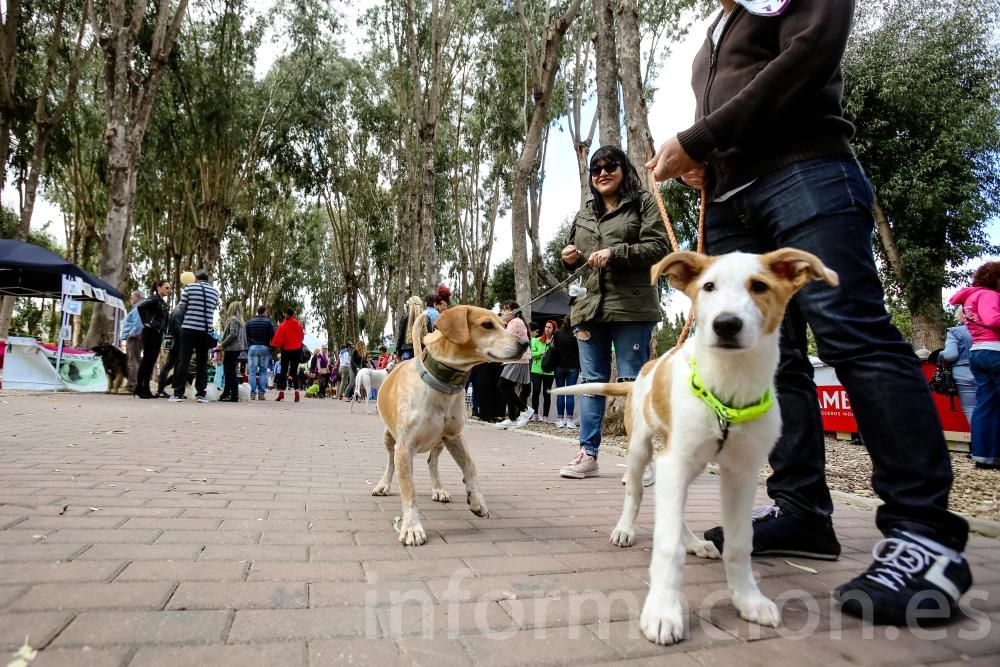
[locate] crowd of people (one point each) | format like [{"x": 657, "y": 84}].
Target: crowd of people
[{"x": 254, "y": 351}]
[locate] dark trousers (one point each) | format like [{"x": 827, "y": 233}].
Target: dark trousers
[
  {"x": 824, "y": 206},
  {"x": 230, "y": 382},
  {"x": 169, "y": 367},
  {"x": 151, "y": 340},
  {"x": 289, "y": 369},
  {"x": 196, "y": 343},
  {"x": 322, "y": 379},
  {"x": 540, "y": 386},
  {"x": 515, "y": 394}
]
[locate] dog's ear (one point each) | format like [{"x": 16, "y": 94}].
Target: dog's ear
[
  {"x": 680, "y": 268},
  {"x": 454, "y": 325},
  {"x": 799, "y": 267}
]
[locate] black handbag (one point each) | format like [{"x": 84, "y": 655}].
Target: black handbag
[
  {"x": 943, "y": 382},
  {"x": 549, "y": 360}
]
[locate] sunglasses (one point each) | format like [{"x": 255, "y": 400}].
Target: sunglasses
[{"x": 607, "y": 167}]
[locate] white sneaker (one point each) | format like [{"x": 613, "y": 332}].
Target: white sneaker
[
  {"x": 176, "y": 399},
  {"x": 570, "y": 424},
  {"x": 560, "y": 423},
  {"x": 202, "y": 399},
  {"x": 506, "y": 423},
  {"x": 648, "y": 475},
  {"x": 523, "y": 418}
]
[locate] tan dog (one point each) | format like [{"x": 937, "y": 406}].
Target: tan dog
[
  {"x": 739, "y": 301},
  {"x": 422, "y": 403}
]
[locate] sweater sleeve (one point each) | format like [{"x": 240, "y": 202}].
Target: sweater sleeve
[
  {"x": 813, "y": 36},
  {"x": 652, "y": 245},
  {"x": 950, "y": 353},
  {"x": 988, "y": 308},
  {"x": 231, "y": 332}
]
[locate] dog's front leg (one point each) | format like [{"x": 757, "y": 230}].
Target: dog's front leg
[
  {"x": 640, "y": 451},
  {"x": 382, "y": 488},
  {"x": 738, "y": 484},
  {"x": 437, "y": 489},
  {"x": 411, "y": 532},
  {"x": 477, "y": 504},
  {"x": 662, "y": 619}
]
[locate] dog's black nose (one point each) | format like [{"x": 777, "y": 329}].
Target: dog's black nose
[{"x": 726, "y": 326}]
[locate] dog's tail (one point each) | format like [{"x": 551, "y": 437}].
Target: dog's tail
[
  {"x": 595, "y": 388},
  {"x": 418, "y": 329}
]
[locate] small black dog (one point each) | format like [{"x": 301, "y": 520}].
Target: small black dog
[{"x": 115, "y": 365}]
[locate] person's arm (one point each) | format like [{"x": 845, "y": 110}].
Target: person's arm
[
  {"x": 571, "y": 243},
  {"x": 653, "y": 244},
  {"x": 950, "y": 352},
  {"x": 812, "y": 36},
  {"x": 988, "y": 308},
  {"x": 230, "y": 333},
  {"x": 278, "y": 338}
]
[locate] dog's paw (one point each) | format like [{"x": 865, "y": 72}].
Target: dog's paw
[
  {"x": 704, "y": 549},
  {"x": 440, "y": 495},
  {"x": 477, "y": 505},
  {"x": 662, "y": 622},
  {"x": 381, "y": 490},
  {"x": 412, "y": 535},
  {"x": 757, "y": 609},
  {"x": 623, "y": 536}
]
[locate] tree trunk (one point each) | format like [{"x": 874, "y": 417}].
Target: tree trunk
[
  {"x": 128, "y": 105},
  {"x": 640, "y": 140},
  {"x": 888, "y": 240},
  {"x": 606, "y": 65},
  {"x": 8, "y": 80},
  {"x": 542, "y": 78},
  {"x": 928, "y": 329}
]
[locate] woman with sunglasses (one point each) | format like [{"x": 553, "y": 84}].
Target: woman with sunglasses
[{"x": 619, "y": 234}]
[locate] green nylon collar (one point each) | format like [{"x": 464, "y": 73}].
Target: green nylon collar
[
  {"x": 440, "y": 376},
  {"x": 725, "y": 413}
]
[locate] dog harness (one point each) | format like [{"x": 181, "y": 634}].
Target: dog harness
[
  {"x": 440, "y": 376},
  {"x": 727, "y": 415}
]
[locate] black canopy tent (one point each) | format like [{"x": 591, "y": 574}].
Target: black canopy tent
[{"x": 31, "y": 271}]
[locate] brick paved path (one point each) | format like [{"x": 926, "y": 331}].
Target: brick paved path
[{"x": 145, "y": 533}]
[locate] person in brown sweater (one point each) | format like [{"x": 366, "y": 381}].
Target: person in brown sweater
[{"x": 771, "y": 148}]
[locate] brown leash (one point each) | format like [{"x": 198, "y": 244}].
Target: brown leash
[{"x": 676, "y": 246}]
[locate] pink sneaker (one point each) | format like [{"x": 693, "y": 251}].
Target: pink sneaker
[{"x": 584, "y": 465}]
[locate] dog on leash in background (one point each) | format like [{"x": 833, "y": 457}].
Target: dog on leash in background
[
  {"x": 115, "y": 365},
  {"x": 368, "y": 379},
  {"x": 710, "y": 400}
]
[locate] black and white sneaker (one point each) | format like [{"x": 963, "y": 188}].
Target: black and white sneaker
[
  {"x": 908, "y": 575},
  {"x": 780, "y": 533}
]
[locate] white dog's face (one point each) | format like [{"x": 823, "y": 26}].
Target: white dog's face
[{"x": 740, "y": 298}]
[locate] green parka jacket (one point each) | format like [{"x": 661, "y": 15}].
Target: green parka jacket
[{"x": 622, "y": 291}]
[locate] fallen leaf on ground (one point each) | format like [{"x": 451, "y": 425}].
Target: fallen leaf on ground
[
  {"x": 95, "y": 509},
  {"x": 395, "y": 523},
  {"x": 804, "y": 568},
  {"x": 63, "y": 510},
  {"x": 24, "y": 655}
]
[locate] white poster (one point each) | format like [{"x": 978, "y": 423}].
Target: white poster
[{"x": 72, "y": 306}]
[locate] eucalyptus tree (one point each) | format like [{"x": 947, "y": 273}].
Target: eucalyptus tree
[
  {"x": 543, "y": 50},
  {"x": 57, "y": 31},
  {"x": 922, "y": 86},
  {"x": 133, "y": 69}
]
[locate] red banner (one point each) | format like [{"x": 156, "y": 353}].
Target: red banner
[{"x": 835, "y": 406}]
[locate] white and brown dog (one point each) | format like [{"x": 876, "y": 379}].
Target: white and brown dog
[
  {"x": 710, "y": 400},
  {"x": 422, "y": 403}
]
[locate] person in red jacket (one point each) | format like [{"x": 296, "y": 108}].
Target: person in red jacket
[{"x": 288, "y": 340}]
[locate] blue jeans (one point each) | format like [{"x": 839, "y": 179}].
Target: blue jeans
[
  {"x": 966, "y": 384},
  {"x": 565, "y": 377},
  {"x": 257, "y": 358},
  {"x": 824, "y": 206},
  {"x": 631, "y": 345},
  {"x": 985, "y": 365}
]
